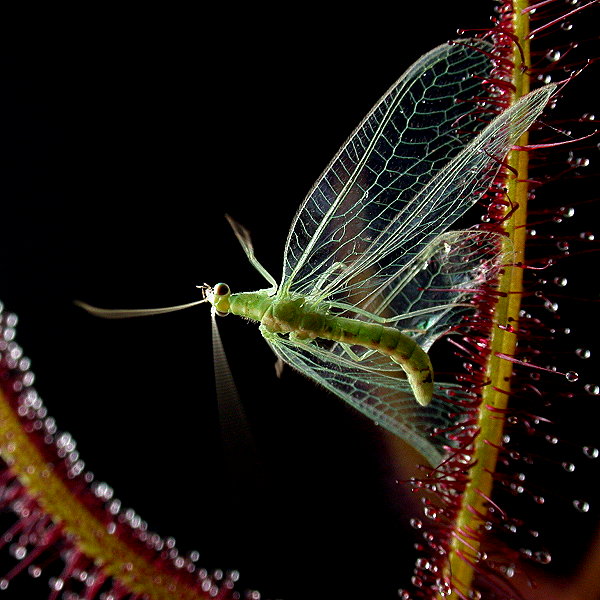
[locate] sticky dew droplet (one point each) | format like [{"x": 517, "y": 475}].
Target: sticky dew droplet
[
  {"x": 572, "y": 376},
  {"x": 541, "y": 557},
  {"x": 560, "y": 281},
  {"x": 34, "y": 571},
  {"x": 581, "y": 505},
  {"x": 591, "y": 452},
  {"x": 583, "y": 353}
]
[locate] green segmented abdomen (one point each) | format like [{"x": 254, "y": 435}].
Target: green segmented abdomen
[
  {"x": 291, "y": 316},
  {"x": 389, "y": 341}
]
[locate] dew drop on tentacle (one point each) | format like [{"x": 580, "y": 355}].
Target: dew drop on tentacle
[
  {"x": 581, "y": 505},
  {"x": 34, "y": 571},
  {"x": 572, "y": 376},
  {"x": 591, "y": 451},
  {"x": 542, "y": 557}
]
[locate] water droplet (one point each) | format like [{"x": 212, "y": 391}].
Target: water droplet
[
  {"x": 560, "y": 281},
  {"x": 588, "y": 117},
  {"x": 19, "y": 552},
  {"x": 583, "y": 353},
  {"x": 591, "y": 452},
  {"x": 509, "y": 571},
  {"x": 592, "y": 388},
  {"x": 431, "y": 513},
  {"x": 569, "y": 467},
  {"x": 542, "y": 557},
  {"x": 553, "y": 55},
  {"x": 587, "y": 235},
  {"x": 566, "y": 26},
  {"x": 581, "y": 505},
  {"x": 34, "y": 571},
  {"x": 571, "y": 376},
  {"x": 416, "y": 523},
  {"x": 566, "y": 211}
]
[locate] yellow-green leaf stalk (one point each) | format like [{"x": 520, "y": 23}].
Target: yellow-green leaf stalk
[{"x": 464, "y": 552}]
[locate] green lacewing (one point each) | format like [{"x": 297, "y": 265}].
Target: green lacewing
[{"x": 372, "y": 273}]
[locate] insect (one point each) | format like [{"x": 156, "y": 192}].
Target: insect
[{"x": 372, "y": 276}]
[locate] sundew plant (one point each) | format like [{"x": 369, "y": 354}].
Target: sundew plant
[{"x": 438, "y": 278}]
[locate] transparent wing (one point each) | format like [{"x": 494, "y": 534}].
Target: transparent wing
[
  {"x": 377, "y": 388},
  {"x": 402, "y": 179},
  {"x": 437, "y": 206},
  {"x": 413, "y": 131},
  {"x": 433, "y": 291}
]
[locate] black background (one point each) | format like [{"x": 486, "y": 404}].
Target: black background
[{"x": 125, "y": 138}]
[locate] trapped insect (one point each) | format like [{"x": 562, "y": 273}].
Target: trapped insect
[{"x": 372, "y": 276}]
